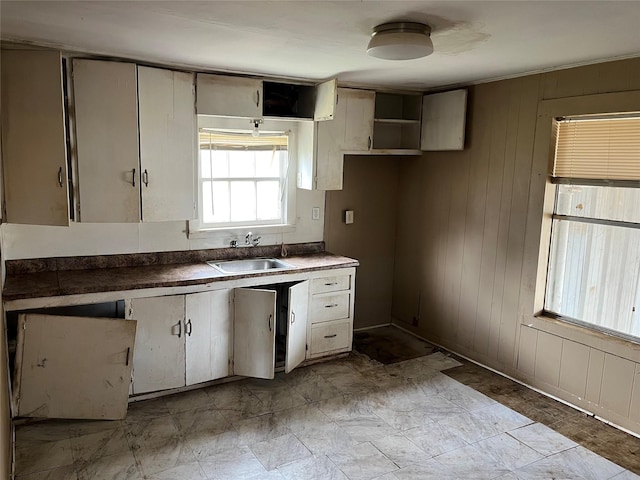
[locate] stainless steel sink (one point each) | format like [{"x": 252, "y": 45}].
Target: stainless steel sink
[{"x": 249, "y": 265}]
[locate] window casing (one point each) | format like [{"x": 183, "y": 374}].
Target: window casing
[{"x": 593, "y": 275}]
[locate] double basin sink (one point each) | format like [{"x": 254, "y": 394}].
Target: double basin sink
[{"x": 249, "y": 265}]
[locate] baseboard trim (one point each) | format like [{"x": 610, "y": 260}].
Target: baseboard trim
[{"x": 373, "y": 327}]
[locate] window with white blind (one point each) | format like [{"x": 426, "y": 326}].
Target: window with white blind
[
  {"x": 243, "y": 177},
  {"x": 593, "y": 275}
]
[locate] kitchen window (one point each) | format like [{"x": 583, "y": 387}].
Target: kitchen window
[
  {"x": 593, "y": 276},
  {"x": 244, "y": 173}
]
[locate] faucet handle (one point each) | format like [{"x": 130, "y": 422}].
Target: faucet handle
[
  {"x": 233, "y": 243},
  {"x": 256, "y": 241},
  {"x": 248, "y": 239}
]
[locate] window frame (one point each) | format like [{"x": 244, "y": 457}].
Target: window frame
[
  {"x": 539, "y": 219},
  {"x": 197, "y": 228}
]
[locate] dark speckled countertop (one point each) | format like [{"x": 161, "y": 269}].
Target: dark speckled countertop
[{"x": 56, "y": 277}]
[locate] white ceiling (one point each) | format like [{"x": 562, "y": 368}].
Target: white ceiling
[{"x": 474, "y": 41}]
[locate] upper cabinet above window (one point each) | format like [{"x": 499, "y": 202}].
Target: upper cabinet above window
[
  {"x": 228, "y": 96},
  {"x": 34, "y": 150}
]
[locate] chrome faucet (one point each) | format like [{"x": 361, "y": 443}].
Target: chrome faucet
[{"x": 251, "y": 241}]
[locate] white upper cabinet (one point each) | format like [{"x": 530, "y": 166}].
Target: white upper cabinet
[
  {"x": 106, "y": 121},
  {"x": 136, "y": 136},
  {"x": 166, "y": 102},
  {"x": 326, "y": 95},
  {"x": 443, "y": 120},
  {"x": 34, "y": 152},
  {"x": 229, "y": 96},
  {"x": 350, "y": 131},
  {"x": 73, "y": 367}
]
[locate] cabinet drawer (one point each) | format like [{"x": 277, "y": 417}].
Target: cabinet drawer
[
  {"x": 329, "y": 307},
  {"x": 330, "y": 284},
  {"x": 329, "y": 336}
]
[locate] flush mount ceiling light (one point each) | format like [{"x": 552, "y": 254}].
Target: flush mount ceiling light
[{"x": 400, "y": 41}]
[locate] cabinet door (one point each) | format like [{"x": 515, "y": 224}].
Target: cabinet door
[
  {"x": 208, "y": 340},
  {"x": 34, "y": 151},
  {"x": 360, "y": 107},
  {"x": 297, "y": 326},
  {"x": 159, "y": 359},
  {"x": 254, "y": 336},
  {"x": 106, "y": 114},
  {"x": 443, "y": 120},
  {"x": 229, "y": 96},
  {"x": 326, "y": 95},
  {"x": 73, "y": 367},
  {"x": 166, "y": 102}
]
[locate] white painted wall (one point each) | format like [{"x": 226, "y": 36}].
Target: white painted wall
[{"x": 33, "y": 241}]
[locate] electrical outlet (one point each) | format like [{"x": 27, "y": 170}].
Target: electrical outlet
[{"x": 315, "y": 213}]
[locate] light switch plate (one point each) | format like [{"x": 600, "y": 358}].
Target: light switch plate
[{"x": 348, "y": 216}]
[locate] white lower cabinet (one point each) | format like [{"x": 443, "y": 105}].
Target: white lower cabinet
[
  {"x": 73, "y": 367},
  {"x": 182, "y": 339},
  {"x": 331, "y": 301},
  {"x": 259, "y": 324}
]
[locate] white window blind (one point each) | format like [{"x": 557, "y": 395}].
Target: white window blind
[{"x": 598, "y": 148}]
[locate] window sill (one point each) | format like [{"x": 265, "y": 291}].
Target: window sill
[
  {"x": 225, "y": 232},
  {"x": 616, "y": 345}
]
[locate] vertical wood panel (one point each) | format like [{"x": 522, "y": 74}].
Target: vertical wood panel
[
  {"x": 634, "y": 411},
  {"x": 474, "y": 228},
  {"x": 548, "y": 358},
  {"x": 498, "y": 104},
  {"x": 617, "y": 383},
  {"x": 573, "y": 368},
  {"x": 594, "y": 375},
  {"x": 527, "y": 352},
  {"x": 527, "y": 93}
]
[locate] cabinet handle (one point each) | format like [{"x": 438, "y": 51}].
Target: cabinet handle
[
  {"x": 133, "y": 177},
  {"x": 369, "y": 144},
  {"x": 60, "y": 176},
  {"x": 179, "y": 329},
  {"x": 331, "y": 336},
  {"x": 188, "y": 327},
  {"x": 269, "y": 321},
  {"x": 331, "y": 305},
  {"x": 257, "y": 98},
  {"x": 145, "y": 178},
  {"x": 293, "y": 318},
  {"x": 128, "y": 352},
  {"x": 331, "y": 283}
]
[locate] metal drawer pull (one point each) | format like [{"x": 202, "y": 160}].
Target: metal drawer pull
[
  {"x": 60, "y": 176},
  {"x": 331, "y": 283},
  {"x": 293, "y": 318},
  {"x": 133, "y": 177},
  {"x": 257, "y": 98},
  {"x": 179, "y": 329},
  {"x": 269, "y": 321},
  {"x": 145, "y": 178},
  {"x": 188, "y": 327},
  {"x": 331, "y": 336},
  {"x": 331, "y": 305},
  {"x": 128, "y": 352}
]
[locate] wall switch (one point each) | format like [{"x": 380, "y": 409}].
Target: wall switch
[
  {"x": 348, "y": 216},
  {"x": 315, "y": 213}
]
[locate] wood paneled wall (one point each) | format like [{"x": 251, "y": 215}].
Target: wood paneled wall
[{"x": 468, "y": 243}]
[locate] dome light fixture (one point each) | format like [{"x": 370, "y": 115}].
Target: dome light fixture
[{"x": 400, "y": 41}]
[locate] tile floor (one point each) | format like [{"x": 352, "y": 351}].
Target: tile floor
[{"x": 352, "y": 418}]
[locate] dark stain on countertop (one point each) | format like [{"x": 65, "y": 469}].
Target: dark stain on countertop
[{"x": 50, "y": 277}]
